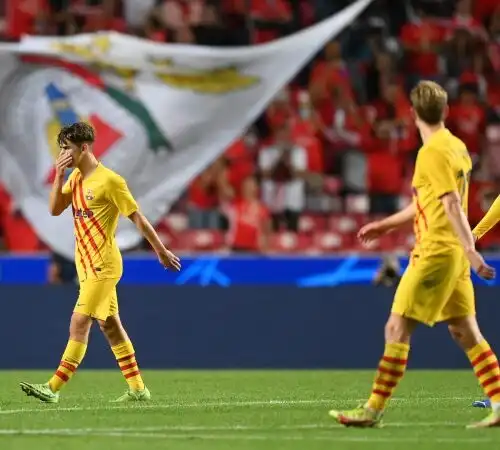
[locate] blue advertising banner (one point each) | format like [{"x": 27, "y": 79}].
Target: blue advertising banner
[
  {"x": 234, "y": 328},
  {"x": 216, "y": 270}
]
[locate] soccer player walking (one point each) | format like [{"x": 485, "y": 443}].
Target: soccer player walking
[
  {"x": 98, "y": 197},
  {"x": 489, "y": 220},
  {"x": 436, "y": 285}
]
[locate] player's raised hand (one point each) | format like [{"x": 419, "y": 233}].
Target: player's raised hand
[
  {"x": 169, "y": 260},
  {"x": 63, "y": 161},
  {"x": 370, "y": 232},
  {"x": 479, "y": 265}
]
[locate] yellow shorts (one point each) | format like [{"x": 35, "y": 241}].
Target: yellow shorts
[
  {"x": 435, "y": 288},
  {"x": 97, "y": 298}
]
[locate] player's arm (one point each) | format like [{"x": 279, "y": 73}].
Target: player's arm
[
  {"x": 121, "y": 196},
  {"x": 60, "y": 194},
  {"x": 378, "y": 228},
  {"x": 398, "y": 219},
  {"x": 444, "y": 184},
  {"x": 166, "y": 257},
  {"x": 489, "y": 220}
]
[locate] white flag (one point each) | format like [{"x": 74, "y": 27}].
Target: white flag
[{"x": 162, "y": 112}]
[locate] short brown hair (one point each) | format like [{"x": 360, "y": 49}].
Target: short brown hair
[
  {"x": 429, "y": 101},
  {"x": 78, "y": 133}
]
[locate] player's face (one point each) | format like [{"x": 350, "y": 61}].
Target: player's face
[{"x": 74, "y": 151}]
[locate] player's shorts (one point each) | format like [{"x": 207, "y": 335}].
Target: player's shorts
[
  {"x": 435, "y": 288},
  {"x": 97, "y": 298}
]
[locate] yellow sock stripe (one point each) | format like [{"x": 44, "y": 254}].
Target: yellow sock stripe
[{"x": 123, "y": 350}]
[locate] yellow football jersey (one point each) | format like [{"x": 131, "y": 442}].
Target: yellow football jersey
[
  {"x": 97, "y": 202},
  {"x": 443, "y": 165}
]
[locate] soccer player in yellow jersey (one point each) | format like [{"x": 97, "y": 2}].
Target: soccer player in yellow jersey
[
  {"x": 98, "y": 196},
  {"x": 436, "y": 286},
  {"x": 491, "y": 218}
]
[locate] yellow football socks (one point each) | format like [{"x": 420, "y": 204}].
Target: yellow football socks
[
  {"x": 485, "y": 365},
  {"x": 125, "y": 356},
  {"x": 71, "y": 359},
  {"x": 391, "y": 369}
]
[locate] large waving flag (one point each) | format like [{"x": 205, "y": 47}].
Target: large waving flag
[{"x": 162, "y": 112}]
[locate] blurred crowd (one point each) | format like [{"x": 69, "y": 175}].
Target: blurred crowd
[{"x": 337, "y": 146}]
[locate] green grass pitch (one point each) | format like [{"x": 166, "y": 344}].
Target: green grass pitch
[{"x": 233, "y": 410}]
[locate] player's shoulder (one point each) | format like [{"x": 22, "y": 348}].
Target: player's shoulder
[
  {"x": 110, "y": 176},
  {"x": 444, "y": 145}
]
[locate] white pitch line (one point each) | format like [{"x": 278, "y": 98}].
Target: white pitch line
[
  {"x": 214, "y": 405},
  {"x": 189, "y": 428},
  {"x": 196, "y": 428},
  {"x": 259, "y": 437}
]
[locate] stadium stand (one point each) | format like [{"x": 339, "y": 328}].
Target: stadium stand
[{"x": 345, "y": 120}]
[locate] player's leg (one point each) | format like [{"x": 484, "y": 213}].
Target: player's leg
[
  {"x": 461, "y": 317},
  {"x": 424, "y": 288},
  {"x": 72, "y": 357},
  {"x": 93, "y": 303},
  {"x": 124, "y": 352},
  {"x": 484, "y": 363},
  {"x": 391, "y": 369}
]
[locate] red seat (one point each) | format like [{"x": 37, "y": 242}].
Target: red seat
[
  {"x": 309, "y": 223},
  {"x": 287, "y": 242},
  {"x": 330, "y": 241},
  {"x": 198, "y": 240},
  {"x": 345, "y": 224},
  {"x": 357, "y": 204}
]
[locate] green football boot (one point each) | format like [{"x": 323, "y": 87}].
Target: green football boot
[
  {"x": 41, "y": 392},
  {"x": 491, "y": 421},
  {"x": 134, "y": 396},
  {"x": 360, "y": 417}
]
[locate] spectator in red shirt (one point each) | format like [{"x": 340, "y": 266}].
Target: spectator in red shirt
[
  {"x": 464, "y": 19},
  {"x": 280, "y": 111},
  {"x": 306, "y": 132},
  {"x": 394, "y": 138},
  {"x": 467, "y": 120},
  {"x": 328, "y": 77},
  {"x": 422, "y": 41},
  {"x": 205, "y": 195},
  {"x": 249, "y": 220},
  {"x": 241, "y": 156},
  {"x": 393, "y": 111}
]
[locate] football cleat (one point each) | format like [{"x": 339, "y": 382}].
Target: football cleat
[
  {"x": 40, "y": 391},
  {"x": 134, "y": 396},
  {"x": 492, "y": 420},
  {"x": 482, "y": 403},
  {"x": 360, "y": 417}
]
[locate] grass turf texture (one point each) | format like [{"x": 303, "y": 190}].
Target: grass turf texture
[{"x": 240, "y": 410}]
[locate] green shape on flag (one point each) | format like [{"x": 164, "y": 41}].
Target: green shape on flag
[{"x": 157, "y": 141}]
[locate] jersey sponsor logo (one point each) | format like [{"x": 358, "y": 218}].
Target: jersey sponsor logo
[{"x": 85, "y": 213}]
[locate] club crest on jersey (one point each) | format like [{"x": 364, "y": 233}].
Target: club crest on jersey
[{"x": 89, "y": 195}]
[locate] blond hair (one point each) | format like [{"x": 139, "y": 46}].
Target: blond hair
[{"x": 429, "y": 101}]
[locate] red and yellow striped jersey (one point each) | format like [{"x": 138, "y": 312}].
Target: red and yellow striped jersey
[
  {"x": 443, "y": 165},
  {"x": 97, "y": 202}
]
